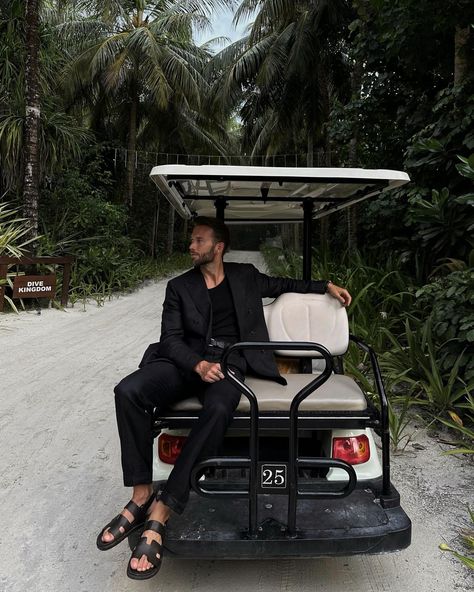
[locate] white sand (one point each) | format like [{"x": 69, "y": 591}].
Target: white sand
[{"x": 60, "y": 477}]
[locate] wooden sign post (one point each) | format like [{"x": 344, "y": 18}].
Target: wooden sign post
[{"x": 36, "y": 286}]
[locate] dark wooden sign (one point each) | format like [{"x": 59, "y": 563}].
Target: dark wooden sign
[{"x": 34, "y": 286}]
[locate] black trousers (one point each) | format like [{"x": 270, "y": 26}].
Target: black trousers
[{"x": 156, "y": 386}]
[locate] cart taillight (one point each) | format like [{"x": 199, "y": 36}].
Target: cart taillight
[
  {"x": 169, "y": 447},
  {"x": 355, "y": 450}
]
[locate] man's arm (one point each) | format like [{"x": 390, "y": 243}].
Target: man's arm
[
  {"x": 271, "y": 287},
  {"x": 339, "y": 293}
]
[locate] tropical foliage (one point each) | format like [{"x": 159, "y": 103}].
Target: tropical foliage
[
  {"x": 13, "y": 231},
  {"x": 424, "y": 355},
  {"x": 347, "y": 83}
]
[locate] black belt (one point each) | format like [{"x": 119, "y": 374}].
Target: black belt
[{"x": 218, "y": 343}]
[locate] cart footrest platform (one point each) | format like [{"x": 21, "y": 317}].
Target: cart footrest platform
[{"x": 217, "y": 528}]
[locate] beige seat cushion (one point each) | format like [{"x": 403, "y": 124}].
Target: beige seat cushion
[
  {"x": 317, "y": 318},
  {"x": 338, "y": 393}
]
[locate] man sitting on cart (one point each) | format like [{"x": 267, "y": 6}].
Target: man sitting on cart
[{"x": 206, "y": 309}]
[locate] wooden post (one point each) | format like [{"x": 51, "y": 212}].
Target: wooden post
[
  {"x": 3, "y": 276},
  {"x": 66, "y": 280}
]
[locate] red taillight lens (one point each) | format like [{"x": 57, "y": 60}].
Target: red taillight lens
[
  {"x": 169, "y": 447},
  {"x": 354, "y": 450}
]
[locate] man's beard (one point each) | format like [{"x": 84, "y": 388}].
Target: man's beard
[{"x": 204, "y": 258}]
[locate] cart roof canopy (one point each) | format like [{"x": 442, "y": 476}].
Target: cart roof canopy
[{"x": 268, "y": 194}]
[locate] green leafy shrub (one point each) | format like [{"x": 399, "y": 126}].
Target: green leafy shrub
[
  {"x": 441, "y": 224},
  {"x": 467, "y": 538},
  {"x": 449, "y": 301},
  {"x": 415, "y": 361},
  {"x": 463, "y": 427},
  {"x": 13, "y": 239},
  {"x": 119, "y": 275},
  {"x": 13, "y": 231},
  {"x": 423, "y": 338}
]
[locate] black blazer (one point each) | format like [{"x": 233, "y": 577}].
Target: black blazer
[{"x": 186, "y": 322}]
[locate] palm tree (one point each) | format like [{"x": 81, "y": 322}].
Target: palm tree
[
  {"x": 135, "y": 54},
  {"x": 287, "y": 67},
  {"x": 45, "y": 129},
  {"x": 32, "y": 116}
]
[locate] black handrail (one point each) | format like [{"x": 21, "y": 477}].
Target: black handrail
[
  {"x": 253, "y": 441},
  {"x": 328, "y": 463},
  {"x": 293, "y": 436},
  {"x": 221, "y": 462},
  {"x": 384, "y": 420}
]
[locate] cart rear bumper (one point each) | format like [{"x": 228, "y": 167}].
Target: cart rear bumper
[{"x": 218, "y": 528}]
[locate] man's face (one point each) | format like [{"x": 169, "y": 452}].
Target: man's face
[{"x": 203, "y": 247}]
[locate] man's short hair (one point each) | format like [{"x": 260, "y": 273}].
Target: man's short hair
[{"x": 220, "y": 230}]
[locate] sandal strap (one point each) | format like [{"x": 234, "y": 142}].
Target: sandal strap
[
  {"x": 136, "y": 510},
  {"x": 120, "y": 521},
  {"x": 150, "y": 550},
  {"x": 156, "y": 526},
  {"x": 133, "y": 508}
]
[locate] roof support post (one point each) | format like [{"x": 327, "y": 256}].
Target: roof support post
[
  {"x": 220, "y": 205},
  {"x": 307, "y": 227}
]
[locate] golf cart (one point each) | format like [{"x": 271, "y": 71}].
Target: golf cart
[{"x": 299, "y": 475}]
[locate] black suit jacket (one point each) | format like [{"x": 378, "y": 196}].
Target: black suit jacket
[{"x": 186, "y": 322}]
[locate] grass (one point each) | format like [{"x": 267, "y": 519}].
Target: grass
[
  {"x": 467, "y": 539},
  {"x": 87, "y": 285}
]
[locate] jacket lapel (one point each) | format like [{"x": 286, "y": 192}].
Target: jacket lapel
[
  {"x": 199, "y": 293},
  {"x": 238, "y": 295}
]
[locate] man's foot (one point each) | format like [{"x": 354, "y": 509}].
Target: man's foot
[
  {"x": 132, "y": 517},
  {"x": 159, "y": 513}
]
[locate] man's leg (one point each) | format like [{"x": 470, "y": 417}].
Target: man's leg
[
  {"x": 155, "y": 385},
  {"x": 219, "y": 402}
]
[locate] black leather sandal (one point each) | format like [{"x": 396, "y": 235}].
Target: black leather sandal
[
  {"x": 150, "y": 550},
  {"x": 139, "y": 514}
]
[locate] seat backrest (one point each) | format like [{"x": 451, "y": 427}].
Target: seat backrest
[{"x": 319, "y": 318}]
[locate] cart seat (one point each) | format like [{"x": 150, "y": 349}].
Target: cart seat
[
  {"x": 316, "y": 318},
  {"x": 338, "y": 393}
]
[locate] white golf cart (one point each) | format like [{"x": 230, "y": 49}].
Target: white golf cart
[{"x": 300, "y": 474}]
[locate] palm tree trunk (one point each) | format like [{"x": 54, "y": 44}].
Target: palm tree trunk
[
  {"x": 296, "y": 238},
  {"x": 131, "y": 148},
  {"x": 170, "y": 242},
  {"x": 310, "y": 148},
  {"x": 185, "y": 231},
  {"x": 154, "y": 234},
  {"x": 351, "y": 211},
  {"x": 462, "y": 58},
  {"x": 325, "y": 222},
  {"x": 32, "y": 118}
]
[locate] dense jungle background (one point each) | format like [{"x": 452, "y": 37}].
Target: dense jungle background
[{"x": 93, "y": 94}]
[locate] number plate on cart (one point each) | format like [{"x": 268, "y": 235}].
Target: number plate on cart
[{"x": 273, "y": 477}]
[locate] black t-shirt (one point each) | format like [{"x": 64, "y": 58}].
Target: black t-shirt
[{"x": 224, "y": 320}]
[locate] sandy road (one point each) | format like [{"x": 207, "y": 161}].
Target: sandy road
[{"x": 60, "y": 478}]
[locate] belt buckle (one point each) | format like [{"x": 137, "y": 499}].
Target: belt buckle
[{"x": 218, "y": 343}]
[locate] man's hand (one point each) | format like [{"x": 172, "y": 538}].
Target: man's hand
[
  {"x": 209, "y": 371},
  {"x": 339, "y": 293}
]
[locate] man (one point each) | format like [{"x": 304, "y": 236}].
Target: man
[{"x": 205, "y": 309}]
